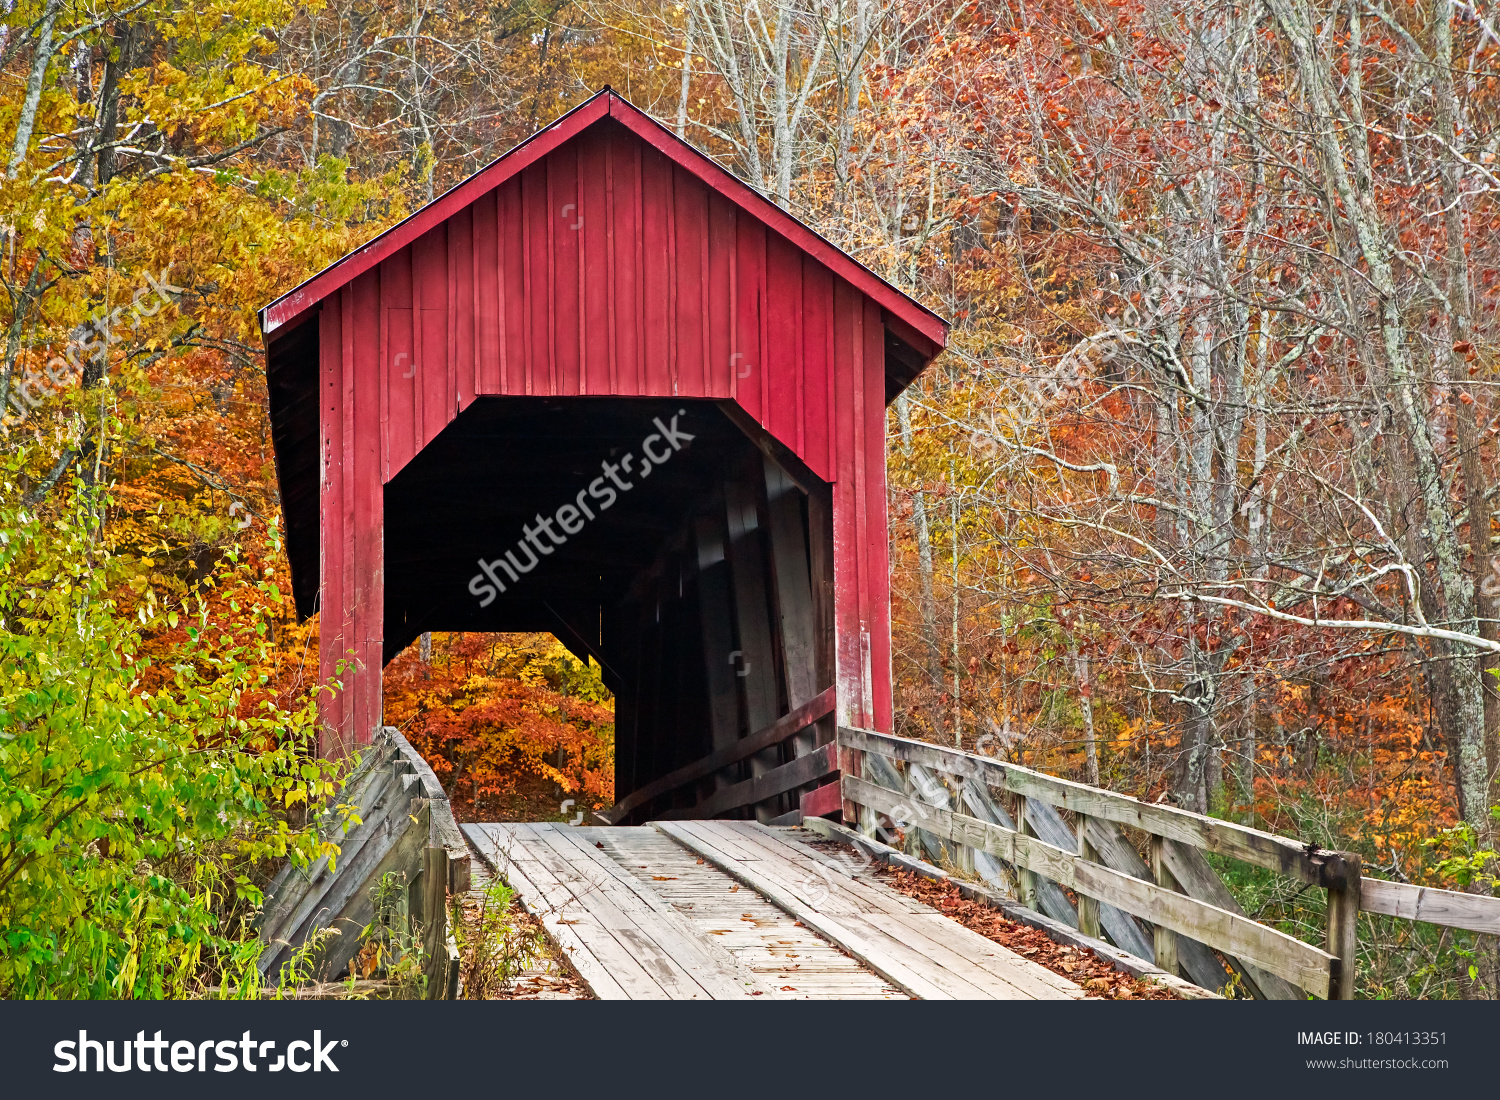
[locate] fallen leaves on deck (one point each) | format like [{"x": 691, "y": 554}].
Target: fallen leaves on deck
[{"x": 1084, "y": 968}]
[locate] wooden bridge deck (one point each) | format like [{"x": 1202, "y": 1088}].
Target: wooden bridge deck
[{"x": 720, "y": 910}]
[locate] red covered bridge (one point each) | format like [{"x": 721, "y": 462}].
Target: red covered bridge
[{"x": 604, "y": 389}]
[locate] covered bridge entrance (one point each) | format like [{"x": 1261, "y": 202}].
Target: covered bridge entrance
[{"x": 604, "y": 389}]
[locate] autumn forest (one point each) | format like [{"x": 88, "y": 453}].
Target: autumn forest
[{"x": 1198, "y": 505}]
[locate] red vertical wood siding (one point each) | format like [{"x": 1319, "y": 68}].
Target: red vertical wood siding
[
  {"x": 353, "y": 515},
  {"x": 602, "y": 268}
]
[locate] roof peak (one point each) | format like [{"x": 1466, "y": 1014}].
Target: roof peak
[{"x": 606, "y": 103}]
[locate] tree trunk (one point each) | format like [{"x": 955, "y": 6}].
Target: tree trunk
[
  {"x": 926, "y": 597},
  {"x": 1342, "y": 142},
  {"x": 687, "y": 58},
  {"x": 1448, "y": 120},
  {"x": 1245, "y": 770},
  {"x": 41, "y": 59},
  {"x": 1086, "y": 706}
]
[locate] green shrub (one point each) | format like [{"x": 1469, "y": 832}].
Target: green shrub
[{"x": 141, "y": 799}]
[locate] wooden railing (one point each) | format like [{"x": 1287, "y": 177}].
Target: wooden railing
[
  {"x": 794, "y": 773},
  {"x": 1188, "y": 911},
  {"x": 404, "y": 826}
]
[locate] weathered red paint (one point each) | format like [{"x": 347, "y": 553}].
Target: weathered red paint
[
  {"x": 823, "y": 801},
  {"x": 602, "y": 256}
]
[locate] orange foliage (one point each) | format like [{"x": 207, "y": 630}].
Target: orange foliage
[{"x": 506, "y": 721}]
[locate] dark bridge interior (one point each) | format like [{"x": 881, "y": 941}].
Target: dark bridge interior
[{"x": 698, "y": 575}]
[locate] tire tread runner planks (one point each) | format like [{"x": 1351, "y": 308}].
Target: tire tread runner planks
[
  {"x": 876, "y": 919},
  {"x": 923, "y": 953},
  {"x": 894, "y": 970},
  {"x": 792, "y": 959},
  {"x": 921, "y": 928},
  {"x": 715, "y": 970},
  {"x": 945, "y": 942},
  {"x": 572, "y": 930}
]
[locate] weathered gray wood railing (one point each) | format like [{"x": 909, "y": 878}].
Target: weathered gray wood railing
[
  {"x": 405, "y": 828},
  {"x": 797, "y": 772},
  {"x": 1188, "y": 911}
]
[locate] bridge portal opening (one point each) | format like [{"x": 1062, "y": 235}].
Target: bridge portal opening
[{"x": 651, "y": 536}]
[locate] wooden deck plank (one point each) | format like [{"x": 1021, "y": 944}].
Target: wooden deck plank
[
  {"x": 875, "y": 895},
  {"x": 946, "y": 942},
  {"x": 620, "y": 913},
  {"x": 890, "y": 932},
  {"x": 619, "y": 910},
  {"x": 493, "y": 845},
  {"x": 793, "y": 961},
  {"x": 712, "y": 910},
  {"x": 569, "y": 913},
  {"x": 714, "y": 970},
  {"x": 879, "y": 924},
  {"x": 891, "y": 964},
  {"x": 811, "y": 886},
  {"x": 980, "y": 963}
]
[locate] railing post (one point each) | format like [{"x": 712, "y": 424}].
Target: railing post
[
  {"x": 963, "y": 854},
  {"x": 1025, "y": 879},
  {"x": 911, "y": 841},
  {"x": 435, "y": 918},
  {"x": 867, "y": 821},
  {"x": 1341, "y": 874},
  {"x": 1164, "y": 939},
  {"x": 1088, "y": 908},
  {"x": 849, "y": 764}
]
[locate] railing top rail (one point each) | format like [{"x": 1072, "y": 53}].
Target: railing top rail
[{"x": 1304, "y": 862}]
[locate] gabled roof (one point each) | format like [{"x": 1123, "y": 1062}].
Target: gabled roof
[{"x": 915, "y": 324}]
